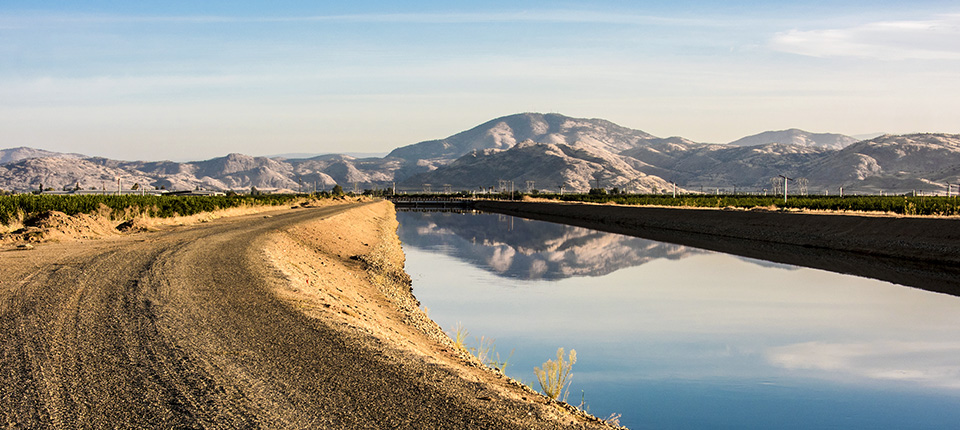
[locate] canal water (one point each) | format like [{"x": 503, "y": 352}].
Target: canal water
[{"x": 672, "y": 337}]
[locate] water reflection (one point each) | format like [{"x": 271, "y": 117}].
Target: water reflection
[
  {"x": 675, "y": 337},
  {"x": 520, "y": 248}
]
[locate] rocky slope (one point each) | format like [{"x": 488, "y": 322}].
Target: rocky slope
[{"x": 551, "y": 150}]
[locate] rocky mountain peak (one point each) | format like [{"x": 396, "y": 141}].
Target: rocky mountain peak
[{"x": 506, "y": 132}]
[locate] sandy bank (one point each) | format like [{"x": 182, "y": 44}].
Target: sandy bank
[
  {"x": 346, "y": 271},
  {"x": 919, "y": 252}
]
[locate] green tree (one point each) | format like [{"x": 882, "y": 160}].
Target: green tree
[
  {"x": 598, "y": 191},
  {"x": 337, "y": 190}
]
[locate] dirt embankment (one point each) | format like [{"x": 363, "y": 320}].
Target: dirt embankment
[
  {"x": 347, "y": 271},
  {"x": 298, "y": 318},
  {"x": 919, "y": 252},
  {"x": 54, "y": 226}
]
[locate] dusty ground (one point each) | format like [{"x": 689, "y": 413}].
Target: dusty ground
[
  {"x": 296, "y": 318},
  {"x": 922, "y": 252}
]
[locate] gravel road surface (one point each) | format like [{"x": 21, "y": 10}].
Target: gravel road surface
[{"x": 177, "y": 329}]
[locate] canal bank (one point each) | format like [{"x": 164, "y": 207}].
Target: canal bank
[
  {"x": 346, "y": 272},
  {"x": 917, "y": 252}
]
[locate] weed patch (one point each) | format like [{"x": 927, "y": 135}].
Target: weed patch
[{"x": 555, "y": 377}]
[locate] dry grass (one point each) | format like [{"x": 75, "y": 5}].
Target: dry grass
[
  {"x": 460, "y": 337},
  {"x": 555, "y": 376}
]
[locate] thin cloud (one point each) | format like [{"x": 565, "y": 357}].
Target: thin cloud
[
  {"x": 933, "y": 39},
  {"x": 532, "y": 16},
  {"x": 930, "y": 363}
]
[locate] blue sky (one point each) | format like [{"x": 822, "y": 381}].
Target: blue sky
[{"x": 193, "y": 80}]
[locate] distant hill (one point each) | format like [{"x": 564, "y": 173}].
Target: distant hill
[
  {"x": 304, "y": 155},
  {"x": 727, "y": 167},
  {"x": 503, "y": 133},
  {"x": 548, "y": 165},
  {"x": 550, "y": 150},
  {"x": 914, "y": 161},
  {"x": 795, "y": 136},
  {"x": 16, "y": 154}
]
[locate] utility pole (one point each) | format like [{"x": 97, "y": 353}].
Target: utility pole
[
  {"x": 785, "y": 181},
  {"x": 119, "y": 190},
  {"x": 674, "y": 190}
]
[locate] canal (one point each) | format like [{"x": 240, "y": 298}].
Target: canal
[{"x": 673, "y": 337}]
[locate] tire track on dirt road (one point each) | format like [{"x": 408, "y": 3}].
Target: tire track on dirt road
[{"x": 179, "y": 329}]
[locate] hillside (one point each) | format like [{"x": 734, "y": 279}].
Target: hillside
[
  {"x": 13, "y": 155},
  {"x": 915, "y": 161},
  {"x": 548, "y": 165},
  {"x": 723, "y": 166},
  {"x": 504, "y": 133},
  {"x": 549, "y": 150},
  {"x": 798, "y": 137}
]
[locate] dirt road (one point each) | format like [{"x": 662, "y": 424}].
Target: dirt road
[{"x": 179, "y": 329}]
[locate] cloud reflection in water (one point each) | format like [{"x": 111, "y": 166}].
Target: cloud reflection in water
[{"x": 651, "y": 320}]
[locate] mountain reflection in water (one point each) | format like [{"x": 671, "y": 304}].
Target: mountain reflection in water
[
  {"x": 687, "y": 338},
  {"x": 519, "y": 248}
]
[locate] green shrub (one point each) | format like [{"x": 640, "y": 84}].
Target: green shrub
[{"x": 157, "y": 206}]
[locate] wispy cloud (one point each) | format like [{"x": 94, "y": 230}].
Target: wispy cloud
[
  {"x": 934, "y": 39},
  {"x": 928, "y": 363},
  {"x": 525, "y": 16}
]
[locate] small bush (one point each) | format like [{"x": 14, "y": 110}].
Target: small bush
[{"x": 555, "y": 376}]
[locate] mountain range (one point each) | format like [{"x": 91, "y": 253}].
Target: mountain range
[{"x": 539, "y": 151}]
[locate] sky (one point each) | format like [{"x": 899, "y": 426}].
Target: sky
[{"x": 187, "y": 80}]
